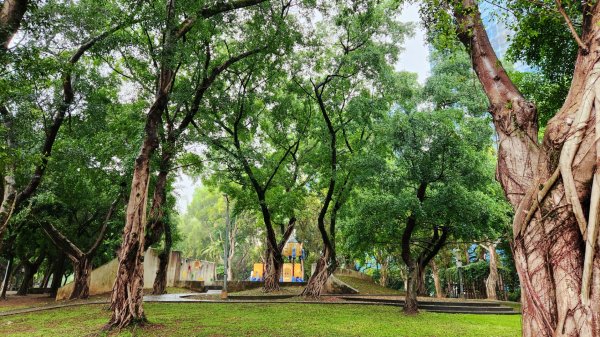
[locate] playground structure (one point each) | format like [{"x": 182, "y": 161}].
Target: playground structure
[{"x": 293, "y": 269}]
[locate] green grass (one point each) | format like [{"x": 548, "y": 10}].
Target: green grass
[
  {"x": 366, "y": 287},
  {"x": 203, "y": 319}
]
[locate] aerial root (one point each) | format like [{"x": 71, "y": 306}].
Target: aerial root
[
  {"x": 572, "y": 144},
  {"x": 592, "y": 231},
  {"x": 589, "y": 228}
]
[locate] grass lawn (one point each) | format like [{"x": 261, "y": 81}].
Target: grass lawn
[
  {"x": 366, "y": 287},
  {"x": 203, "y": 319}
]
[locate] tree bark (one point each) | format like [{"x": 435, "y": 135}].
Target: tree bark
[
  {"x": 421, "y": 285},
  {"x": 411, "y": 306},
  {"x": 30, "y": 269},
  {"x": 11, "y": 15},
  {"x": 383, "y": 271},
  {"x": 7, "y": 276},
  {"x": 492, "y": 280},
  {"x": 231, "y": 245},
  {"x": 554, "y": 240},
  {"x": 46, "y": 278},
  {"x": 274, "y": 259},
  {"x": 160, "y": 281},
  {"x": 58, "y": 271},
  {"x": 273, "y": 267},
  {"x": 82, "y": 269},
  {"x": 439, "y": 293},
  {"x": 126, "y": 298},
  {"x": 325, "y": 267}
]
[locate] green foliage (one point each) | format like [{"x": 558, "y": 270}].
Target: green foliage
[{"x": 448, "y": 151}]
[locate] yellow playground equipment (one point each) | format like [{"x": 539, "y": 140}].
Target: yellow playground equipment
[{"x": 293, "y": 269}]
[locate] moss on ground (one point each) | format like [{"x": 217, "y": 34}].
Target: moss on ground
[{"x": 206, "y": 319}]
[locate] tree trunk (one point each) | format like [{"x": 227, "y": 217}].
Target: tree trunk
[
  {"x": 325, "y": 267},
  {"x": 439, "y": 293},
  {"x": 492, "y": 280},
  {"x": 274, "y": 260},
  {"x": 30, "y": 269},
  {"x": 383, "y": 271},
  {"x": 127, "y": 295},
  {"x": 412, "y": 284},
  {"x": 273, "y": 269},
  {"x": 82, "y": 269},
  {"x": 57, "y": 274},
  {"x": 7, "y": 276},
  {"x": 558, "y": 269},
  {"x": 232, "y": 240},
  {"x": 160, "y": 281},
  {"x": 421, "y": 285},
  {"x": 27, "y": 280},
  {"x": 11, "y": 15},
  {"x": 46, "y": 278}
]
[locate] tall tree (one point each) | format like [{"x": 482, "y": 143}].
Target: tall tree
[
  {"x": 171, "y": 64},
  {"x": 342, "y": 74},
  {"x": 263, "y": 142},
  {"x": 18, "y": 112},
  {"x": 555, "y": 227}
]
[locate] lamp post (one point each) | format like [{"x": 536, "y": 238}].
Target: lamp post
[{"x": 225, "y": 245}]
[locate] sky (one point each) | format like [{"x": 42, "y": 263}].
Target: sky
[{"x": 414, "y": 58}]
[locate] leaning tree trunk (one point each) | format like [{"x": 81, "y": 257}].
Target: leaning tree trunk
[
  {"x": 27, "y": 280},
  {"x": 82, "y": 269},
  {"x": 58, "y": 271},
  {"x": 30, "y": 269},
  {"x": 46, "y": 278},
  {"x": 318, "y": 280},
  {"x": 7, "y": 276},
  {"x": 553, "y": 187},
  {"x": 492, "y": 280}
]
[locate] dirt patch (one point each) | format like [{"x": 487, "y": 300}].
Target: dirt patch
[{"x": 13, "y": 302}]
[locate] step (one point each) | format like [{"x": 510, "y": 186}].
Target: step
[
  {"x": 441, "y": 303},
  {"x": 512, "y": 312},
  {"x": 465, "y": 308}
]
